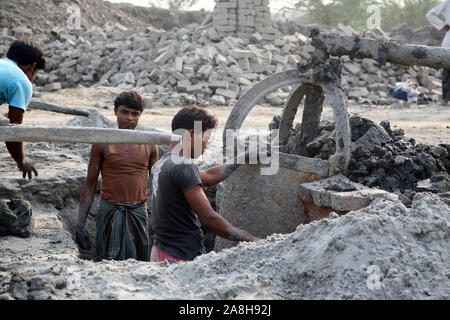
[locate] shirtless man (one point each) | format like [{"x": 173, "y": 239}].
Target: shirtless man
[
  {"x": 23, "y": 61},
  {"x": 122, "y": 219},
  {"x": 179, "y": 204}
]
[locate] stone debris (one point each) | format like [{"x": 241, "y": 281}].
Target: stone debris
[
  {"x": 190, "y": 64},
  {"x": 16, "y": 218},
  {"x": 341, "y": 194}
]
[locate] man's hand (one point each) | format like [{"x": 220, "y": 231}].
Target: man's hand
[
  {"x": 446, "y": 27},
  {"x": 27, "y": 167},
  {"x": 82, "y": 238}
]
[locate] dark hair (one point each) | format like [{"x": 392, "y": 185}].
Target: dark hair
[
  {"x": 26, "y": 51},
  {"x": 185, "y": 118},
  {"x": 130, "y": 99}
]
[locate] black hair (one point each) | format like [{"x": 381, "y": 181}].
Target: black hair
[
  {"x": 130, "y": 99},
  {"x": 26, "y": 51},
  {"x": 185, "y": 118}
]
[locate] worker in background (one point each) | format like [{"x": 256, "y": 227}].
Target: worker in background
[
  {"x": 23, "y": 61},
  {"x": 122, "y": 219},
  {"x": 442, "y": 9}
]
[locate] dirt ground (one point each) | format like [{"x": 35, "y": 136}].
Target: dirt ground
[{"x": 429, "y": 124}]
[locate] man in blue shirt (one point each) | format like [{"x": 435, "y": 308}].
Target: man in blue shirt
[{"x": 21, "y": 65}]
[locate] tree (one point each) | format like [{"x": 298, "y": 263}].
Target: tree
[
  {"x": 411, "y": 12},
  {"x": 348, "y": 12},
  {"x": 181, "y": 4},
  {"x": 173, "y": 4},
  {"x": 354, "y": 12}
]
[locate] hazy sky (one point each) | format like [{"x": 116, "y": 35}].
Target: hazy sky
[{"x": 207, "y": 4}]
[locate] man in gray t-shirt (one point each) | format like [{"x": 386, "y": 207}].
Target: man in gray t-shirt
[
  {"x": 179, "y": 204},
  {"x": 176, "y": 226}
]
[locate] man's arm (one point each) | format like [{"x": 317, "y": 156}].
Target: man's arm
[
  {"x": 15, "y": 116},
  {"x": 87, "y": 195},
  {"x": 213, "y": 221},
  {"x": 433, "y": 18},
  {"x": 219, "y": 173}
]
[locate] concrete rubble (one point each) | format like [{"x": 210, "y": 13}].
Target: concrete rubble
[{"x": 196, "y": 63}]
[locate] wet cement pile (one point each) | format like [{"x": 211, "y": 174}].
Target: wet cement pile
[
  {"x": 384, "y": 251},
  {"x": 381, "y": 157}
]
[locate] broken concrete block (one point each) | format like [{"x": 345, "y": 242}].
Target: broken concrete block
[
  {"x": 52, "y": 86},
  {"x": 196, "y": 88},
  {"x": 293, "y": 59},
  {"x": 352, "y": 68},
  {"x": 244, "y": 63},
  {"x": 256, "y": 37},
  {"x": 250, "y": 76},
  {"x": 190, "y": 99},
  {"x": 358, "y": 93},
  {"x": 164, "y": 57},
  {"x": 205, "y": 71},
  {"x": 175, "y": 74},
  {"x": 188, "y": 71},
  {"x": 221, "y": 60},
  {"x": 234, "y": 71},
  {"x": 125, "y": 78},
  {"x": 218, "y": 84},
  {"x": 155, "y": 75},
  {"x": 244, "y": 81},
  {"x": 183, "y": 85},
  {"x": 338, "y": 193},
  {"x": 258, "y": 68},
  {"x": 218, "y": 100},
  {"x": 238, "y": 53},
  {"x": 227, "y": 93},
  {"x": 438, "y": 183},
  {"x": 16, "y": 218},
  {"x": 178, "y": 64},
  {"x": 278, "y": 58}
]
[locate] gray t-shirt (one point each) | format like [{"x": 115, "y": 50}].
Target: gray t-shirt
[{"x": 177, "y": 228}]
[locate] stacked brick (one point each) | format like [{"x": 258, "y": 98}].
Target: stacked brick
[
  {"x": 244, "y": 18},
  {"x": 225, "y": 13}
]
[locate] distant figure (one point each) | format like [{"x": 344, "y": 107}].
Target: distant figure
[
  {"x": 122, "y": 219},
  {"x": 442, "y": 9},
  {"x": 21, "y": 65},
  {"x": 405, "y": 91}
]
